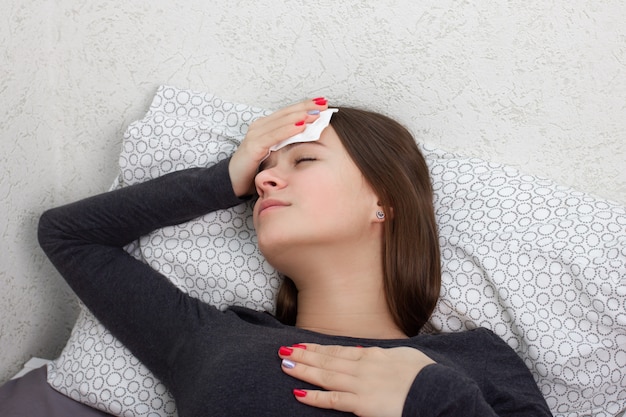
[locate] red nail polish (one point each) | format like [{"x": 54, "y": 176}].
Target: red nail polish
[
  {"x": 321, "y": 102},
  {"x": 300, "y": 123},
  {"x": 285, "y": 351},
  {"x": 299, "y": 346},
  {"x": 299, "y": 393},
  {"x": 318, "y": 98}
]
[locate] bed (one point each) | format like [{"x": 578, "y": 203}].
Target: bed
[
  {"x": 541, "y": 265},
  {"x": 28, "y": 394}
]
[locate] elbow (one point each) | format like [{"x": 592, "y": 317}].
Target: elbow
[{"x": 48, "y": 232}]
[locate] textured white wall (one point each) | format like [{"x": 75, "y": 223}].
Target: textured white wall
[{"x": 537, "y": 84}]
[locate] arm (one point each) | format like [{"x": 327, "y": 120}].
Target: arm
[
  {"x": 440, "y": 391},
  {"x": 489, "y": 379},
  {"x": 84, "y": 240}
]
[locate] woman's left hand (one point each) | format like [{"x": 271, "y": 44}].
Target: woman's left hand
[{"x": 364, "y": 381}]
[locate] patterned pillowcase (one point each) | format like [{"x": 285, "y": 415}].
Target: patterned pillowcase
[
  {"x": 541, "y": 265},
  {"x": 544, "y": 267}
]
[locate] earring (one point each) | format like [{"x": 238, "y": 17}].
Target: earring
[{"x": 380, "y": 215}]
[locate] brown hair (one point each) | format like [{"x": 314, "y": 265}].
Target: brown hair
[{"x": 389, "y": 159}]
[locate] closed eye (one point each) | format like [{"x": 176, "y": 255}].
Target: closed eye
[{"x": 304, "y": 159}]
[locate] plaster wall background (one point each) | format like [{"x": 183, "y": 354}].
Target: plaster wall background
[{"x": 539, "y": 85}]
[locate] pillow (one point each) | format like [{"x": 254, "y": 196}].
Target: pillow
[
  {"x": 541, "y": 265},
  {"x": 544, "y": 267}
]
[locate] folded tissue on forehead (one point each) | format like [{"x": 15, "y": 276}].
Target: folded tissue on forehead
[{"x": 311, "y": 133}]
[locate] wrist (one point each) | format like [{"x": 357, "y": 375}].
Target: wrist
[{"x": 241, "y": 185}]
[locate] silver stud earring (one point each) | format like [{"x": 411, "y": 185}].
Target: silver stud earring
[{"x": 380, "y": 215}]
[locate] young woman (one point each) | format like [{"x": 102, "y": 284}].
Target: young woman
[{"x": 349, "y": 220}]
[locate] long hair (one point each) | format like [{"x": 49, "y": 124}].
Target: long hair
[{"x": 386, "y": 154}]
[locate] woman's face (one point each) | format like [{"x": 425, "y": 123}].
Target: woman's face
[{"x": 312, "y": 195}]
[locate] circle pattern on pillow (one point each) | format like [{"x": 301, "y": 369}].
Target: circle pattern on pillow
[{"x": 542, "y": 266}]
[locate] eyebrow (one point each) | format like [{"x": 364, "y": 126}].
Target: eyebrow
[{"x": 289, "y": 147}]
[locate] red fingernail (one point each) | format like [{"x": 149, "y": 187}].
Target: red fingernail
[
  {"x": 299, "y": 346},
  {"x": 300, "y": 123},
  {"x": 318, "y": 98},
  {"x": 299, "y": 393},
  {"x": 321, "y": 102},
  {"x": 285, "y": 351}
]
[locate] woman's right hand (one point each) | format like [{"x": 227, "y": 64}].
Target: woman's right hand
[{"x": 264, "y": 133}]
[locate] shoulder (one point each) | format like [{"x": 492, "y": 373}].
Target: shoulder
[
  {"x": 473, "y": 336},
  {"x": 475, "y": 346}
]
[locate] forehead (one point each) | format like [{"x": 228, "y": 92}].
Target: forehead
[{"x": 328, "y": 140}]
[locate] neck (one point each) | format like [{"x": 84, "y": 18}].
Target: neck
[
  {"x": 344, "y": 295},
  {"x": 334, "y": 317}
]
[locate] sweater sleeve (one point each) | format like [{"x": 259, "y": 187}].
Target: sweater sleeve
[
  {"x": 500, "y": 385},
  {"x": 84, "y": 240},
  {"x": 440, "y": 391}
]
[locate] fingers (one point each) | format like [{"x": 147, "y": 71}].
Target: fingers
[
  {"x": 318, "y": 103},
  {"x": 287, "y": 121},
  {"x": 330, "y": 367},
  {"x": 284, "y": 123},
  {"x": 354, "y": 353},
  {"x": 341, "y": 401}
]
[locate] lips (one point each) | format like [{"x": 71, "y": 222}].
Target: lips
[{"x": 269, "y": 204}]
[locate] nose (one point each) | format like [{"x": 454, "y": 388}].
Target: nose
[{"x": 267, "y": 180}]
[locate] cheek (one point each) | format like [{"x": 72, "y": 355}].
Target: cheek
[
  {"x": 345, "y": 200},
  {"x": 358, "y": 194}
]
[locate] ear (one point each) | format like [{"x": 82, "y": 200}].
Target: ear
[{"x": 381, "y": 214}]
